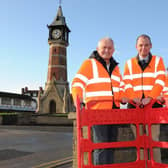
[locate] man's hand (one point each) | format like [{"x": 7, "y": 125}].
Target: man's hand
[
  {"x": 137, "y": 101},
  {"x": 160, "y": 99},
  {"x": 146, "y": 100},
  {"x": 124, "y": 100}
]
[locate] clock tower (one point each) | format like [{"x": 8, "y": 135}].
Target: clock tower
[
  {"x": 58, "y": 41},
  {"x": 56, "y": 97}
]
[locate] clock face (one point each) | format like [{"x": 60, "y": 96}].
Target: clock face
[{"x": 56, "y": 33}]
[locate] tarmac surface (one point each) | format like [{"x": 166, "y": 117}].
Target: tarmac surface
[{"x": 30, "y": 146}]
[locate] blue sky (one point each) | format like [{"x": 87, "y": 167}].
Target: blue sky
[{"x": 24, "y": 49}]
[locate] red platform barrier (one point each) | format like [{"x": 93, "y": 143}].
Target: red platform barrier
[{"x": 140, "y": 116}]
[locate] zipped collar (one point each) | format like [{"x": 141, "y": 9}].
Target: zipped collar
[
  {"x": 150, "y": 57},
  {"x": 113, "y": 62}
]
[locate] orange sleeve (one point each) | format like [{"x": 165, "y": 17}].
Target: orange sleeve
[
  {"x": 129, "y": 93},
  {"x": 122, "y": 86},
  {"x": 165, "y": 89},
  {"x": 160, "y": 80},
  {"x": 80, "y": 80}
]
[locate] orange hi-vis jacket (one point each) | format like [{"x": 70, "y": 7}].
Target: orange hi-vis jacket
[
  {"x": 96, "y": 87},
  {"x": 149, "y": 82},
  {"x": 165, "y": 89}
]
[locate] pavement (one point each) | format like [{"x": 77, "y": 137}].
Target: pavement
[{"x": 30, "y": 146}]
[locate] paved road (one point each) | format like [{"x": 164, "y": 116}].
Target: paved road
[{"x": 29, "y": 146}]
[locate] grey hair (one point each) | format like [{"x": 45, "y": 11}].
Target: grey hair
[{"x": 105, "y": 39}]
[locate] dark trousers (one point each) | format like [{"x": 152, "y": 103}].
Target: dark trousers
[
  {"x": 104, "y": 133},
  {"x": 156, "y": 135}
]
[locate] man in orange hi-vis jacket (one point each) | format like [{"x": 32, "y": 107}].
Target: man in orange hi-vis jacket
[
  {"x": 163, "y": 98},
  {"x": 144, "y": 78},
  {"x": 165, "y": 89},
  {"x": 99, "y": 85}
]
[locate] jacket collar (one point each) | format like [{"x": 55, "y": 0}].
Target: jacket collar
[
  {"x": 113, "y": 62},
  {"x": 146, "y": 64},
  {"x": 149, "y": 59},
  {"x": 101, "y": 60}
]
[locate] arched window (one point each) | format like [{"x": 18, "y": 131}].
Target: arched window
[{"x": 52, "y": 107}]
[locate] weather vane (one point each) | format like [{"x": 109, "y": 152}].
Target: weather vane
[{"x": 60, "y": 1}]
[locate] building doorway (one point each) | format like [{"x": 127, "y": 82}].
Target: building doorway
[{"x": 52, "y": 106}]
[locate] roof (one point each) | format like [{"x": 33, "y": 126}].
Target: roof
[
  {"x": 59, "y": 20},
  {"x": 15, "y": 95}
]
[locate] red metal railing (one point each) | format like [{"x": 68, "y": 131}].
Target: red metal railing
[{"x": 139, "y": 116}]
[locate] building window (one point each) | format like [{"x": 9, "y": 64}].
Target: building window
[
  {"x": 34, "y": 94},
  {"x": 17, "y": 102},
  {"x": 6, "y": 101},
  {"x": 27, "y": 102}
]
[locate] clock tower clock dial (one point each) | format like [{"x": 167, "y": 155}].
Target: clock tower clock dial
[{"x": 56, "y": 34}]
